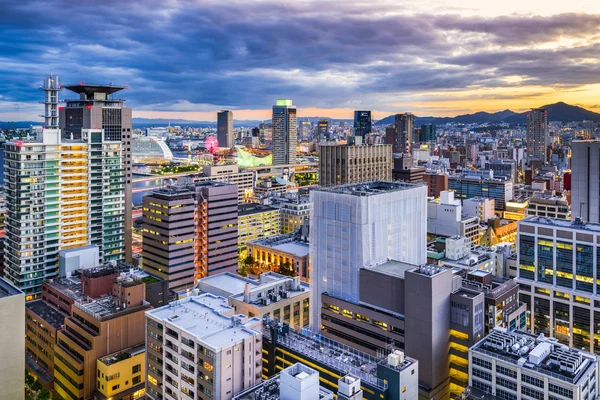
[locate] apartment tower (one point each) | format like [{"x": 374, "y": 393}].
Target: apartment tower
[
  {"x": 537, "y": 134},
  {"x": 97, "y": 108},
  {"x": 402, "y": 137},
  {"x": 284, "y": 132},
  {"x": 585, "y": 186}
]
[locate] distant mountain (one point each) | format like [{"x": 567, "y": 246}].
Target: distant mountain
[
  {"x": 556, "y": 112},
  {"x": 156, "y": 122}
]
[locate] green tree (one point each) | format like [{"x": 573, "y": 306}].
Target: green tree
[
  {"x": 36, "y": 386},
  {"x": 249, "y": 261},
  {"x": 287, "y": 269},
  {"x": 43, "y": 395},
  {"x": 243, "y": 271},
  {"x": 29, "y": 379}
]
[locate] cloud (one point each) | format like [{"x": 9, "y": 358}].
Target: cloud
[{"x": 193, "y": 55}]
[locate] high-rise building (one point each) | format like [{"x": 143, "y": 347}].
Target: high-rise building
[
  {"x": 284, "y": 132},
  {"x": 428, "y": 133},
  {"x": 537, "y": 134},
  {"x": 557, "y": 276},
  {"x": 323, "y": 127},
  {"x": 198, "y": 347},
  {"x": 517, "y": 365},
  {"x": 362, "y": 124},
  {"x": 256, "y": 221},
  {"x": 12, "y": 334},
  {"x": 305, "y": 131},
  {"x": 97, "y": 109},
  {"x": 169, "y": 234},
  {"x": 467, "y": 186},
  {"x": 62, "y": 193},
  {"x": 355, "y": 226},
  {"x": 96, "y": 329},
  {"x": 402, "y": 139},
  {"x": 225, "y": 128},
  {"x": 343, "y": 164},
  {"x": 585, "y": 184}
]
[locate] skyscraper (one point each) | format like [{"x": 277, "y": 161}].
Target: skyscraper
[
  {"x": 64, "y": 190},
  {"x": 537, "y": 134},
  {"x": 284, "y": 132},
  {"x": 362, "y": 123},
  {"x": 585, "y": 186},
  {"x": 97, "y": 109},
  {"x": 225, "y": 128},
  {"x": 428, "y": 133},
  {"x": 356, "y": 226},
  {"x": 403, "y": 133},
  {"x": 323, "y": 129}
]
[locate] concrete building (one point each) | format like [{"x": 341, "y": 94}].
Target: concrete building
[
  {"x": 294, "y": 211},
  {"x": 122, "y": 375},
  {"x": 244, "y": 180},
  {"x": 96, "y": 108},
  {"x": 285, "y": 132},
  {"x": 12, "y": 334},
  {"x": 445, "y": 218},
  {"x": 323, "y": 130},
  {"x": 428, "y": 133},
  {"x": 96, "y": 329},
  {"x": 410, "y": 175},
  {"x": 585, "y": 184},
  {"x": 198, "y": 347},
  {"x": 549, "y": 204},
  {"x": 503, "y": 168},
  {"x": 343, "y": 164},
  {"x": 355, "y": 226},
  {"x": 274, "y": 251},
  {"x": 296, "y": 382},
  {"x": 395, "y": 376},
  {"x": 557, "y": 277},
  {"x": 269, "y": 188},
  {"x": 436, "y": 183},
  {"x": 468, "y": 185},
  {"x": 537, "y": 135},
  {"x": 479, "y": 207},
  {"x": 169, "y": 229},
  {"x": 272, "y": 295},
  {"x": 255, "y": 222},
  {"x": 518, "y": 365},
  {"x": 225, "y": 128}
]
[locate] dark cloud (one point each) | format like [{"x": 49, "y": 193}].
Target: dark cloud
[{"x": 244, "y": 54}]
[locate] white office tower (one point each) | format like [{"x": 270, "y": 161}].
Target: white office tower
[
  {"x": 363, "y": 225},
  {"x": 585, "y": 186}
]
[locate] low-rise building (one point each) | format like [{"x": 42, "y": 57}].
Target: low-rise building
[
  {"x": 122, "y": 375},
  {"x": 269, "y": 188},
  {"x": 200, "y": 348},
  {"x": 273, "y": 252},
  {"x": 445, "y": 218},
  {"x": 479, "y": 207},
  {"x": 549, "y": 204},
  {"x": 294, "y": 211},
  {"x": 518, "y": 365}
]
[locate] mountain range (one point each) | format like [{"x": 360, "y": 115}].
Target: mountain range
[{"x": 560, "y": 111}]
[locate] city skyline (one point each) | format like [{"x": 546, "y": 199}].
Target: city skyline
[{"x": 330, "y": 60}]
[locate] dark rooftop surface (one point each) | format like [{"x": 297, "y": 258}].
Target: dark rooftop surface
[
  {"x": 90, "y": 90},
  {"x": 247, "y": 209},
  {"x": 47, "y": 313},
  {"x": 7, "y": 289}
]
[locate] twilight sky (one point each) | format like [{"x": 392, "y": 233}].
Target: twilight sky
[{"x": 188, "y": 59}]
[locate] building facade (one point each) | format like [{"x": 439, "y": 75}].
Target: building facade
[
  {"x": 404, "y": 125},
  {"x": 12, "y": 333},
  {"x": 585, "y": 184},
  {"x": 255, "y": 222},
  {"x": 273, "y": 252},
  {"x": 199, "y": 348},
  {"x": 466, "y": 187},
  {"x": 362, "y": 124},
  {"x": 62, "y": 194},
  {"x": 225, "y": 128},
  {"x": 558, "y": 263},
  {"x": 537, "y": 135},
  {"x": 355, "y": 226},
  {"x": 285, "y": 132},
  {"x": 343, "y": 164}
]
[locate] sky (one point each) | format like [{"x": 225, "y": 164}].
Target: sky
[{"x": 189, "y": 59}]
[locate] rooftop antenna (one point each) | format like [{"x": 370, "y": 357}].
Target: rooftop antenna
[{"x": 51, "y": 86}]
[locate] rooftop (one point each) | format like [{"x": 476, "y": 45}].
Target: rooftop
[
  {"x": 208, "y": 318},
  {"x": 47, "y": 313},
  {"x": 271, "y": 388},
  {"x": 392, "y": 268},
  {"x": 561, "y": 223},
  {"x": 7, "y": 289},
  {"x": 226, "y": 282},
  {"x": 250, "y": 208},
  {"x": 106, "y": 307},
  {"x": 90, "y": 90},
  {"x": 537, "y": 353},
  {"x": 368, "y": 188},
  {"x": 123, "y": 354},
  {"x": 271, "y": 288},
  {"x": 340, "y": 358},
  {"x": 288, "y": 243},
  {"x": 71, "y": 287}
]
